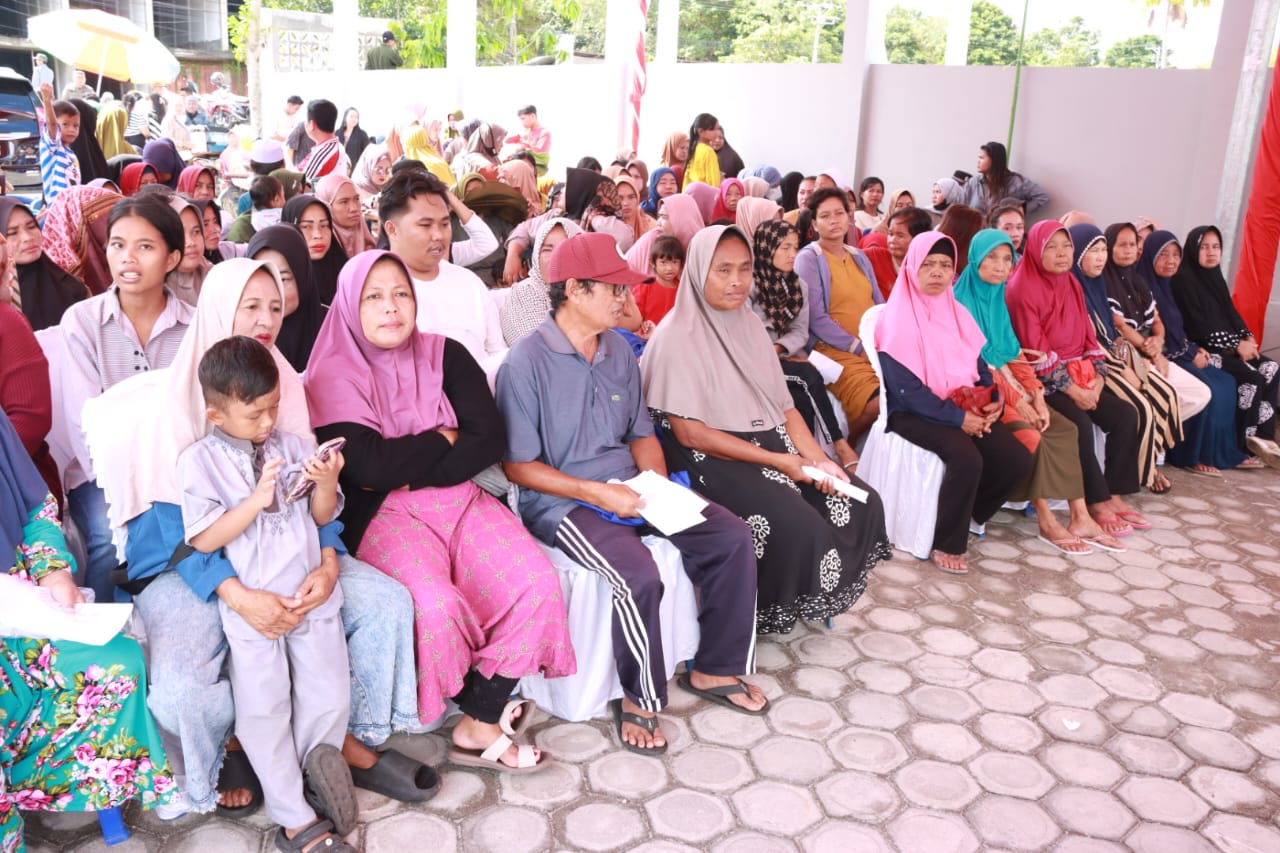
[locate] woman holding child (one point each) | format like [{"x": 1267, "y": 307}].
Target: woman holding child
[{"x": 135, "y": 433}]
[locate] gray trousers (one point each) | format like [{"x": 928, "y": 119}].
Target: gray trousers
[{"x": 291, "y": 695}]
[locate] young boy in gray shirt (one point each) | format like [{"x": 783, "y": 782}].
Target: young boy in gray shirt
[{"x": 291, "y": 693}]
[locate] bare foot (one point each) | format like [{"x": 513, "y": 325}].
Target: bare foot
[
  {"x": 754, "y": 702},
  {"x": 1052, "y": 529},
  {"x": 357, "y": 754},
  {"x": 637, "y": 736},
  {"x": 954, "y": 564},
  {"x": 236, "y": 798},
  {"x": 470, "y": 733}
]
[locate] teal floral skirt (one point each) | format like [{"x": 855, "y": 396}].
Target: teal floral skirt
[{"x": 75, "y": 734}]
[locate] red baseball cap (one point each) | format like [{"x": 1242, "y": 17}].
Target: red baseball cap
[{"x": 592, "y": 257}]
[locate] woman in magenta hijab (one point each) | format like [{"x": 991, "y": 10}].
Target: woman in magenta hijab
[
  {"x": 419, "y": 421},
  {"x": 938, "y": 394}
]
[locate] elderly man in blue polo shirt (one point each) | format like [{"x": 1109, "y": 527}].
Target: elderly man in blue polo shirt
[{"x": 577, "y": 424}]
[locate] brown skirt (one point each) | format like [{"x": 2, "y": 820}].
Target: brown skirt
[
  {"x": 1055, "y": 472},
  {"x": 856, "y": 385}
]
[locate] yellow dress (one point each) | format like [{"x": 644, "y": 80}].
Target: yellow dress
[
  {"x": 850, "y": 298},
  {"x": 705, "y": 167}
]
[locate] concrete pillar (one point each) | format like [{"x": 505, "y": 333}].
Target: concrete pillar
[
  {"x": 344, "y": 48},
  {"x": 619, "y": 44},
  {"x": 1245, "y": 37},
  {"x": 863, "y": 30},
  {"x": 668, "y": 31},
  {"x": 958, "y": 14},
  {"x": 460, "y": 40}
]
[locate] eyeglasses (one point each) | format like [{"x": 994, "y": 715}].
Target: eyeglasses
[{"x": 619, "y": 291}]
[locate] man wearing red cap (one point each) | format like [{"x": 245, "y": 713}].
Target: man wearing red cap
[{"x": 577, "y": 425}]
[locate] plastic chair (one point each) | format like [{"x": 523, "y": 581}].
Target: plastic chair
[{"x": 907, "y": 477}]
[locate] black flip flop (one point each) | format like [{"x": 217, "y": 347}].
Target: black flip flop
[
  {"x": 237, "y": 774},
  {"x": 649, "y": 724},
  {"x": 399, "y": 777},
  {"x": 309, "y": 834},
  {"x": 720, "y": 695},
  {"x": 327, "y": 788}
]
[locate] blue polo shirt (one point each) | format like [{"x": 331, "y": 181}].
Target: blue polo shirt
[{"x": 579, "y": 417}]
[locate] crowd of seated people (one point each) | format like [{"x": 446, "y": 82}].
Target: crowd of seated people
[{"x": 323, "y": 444}]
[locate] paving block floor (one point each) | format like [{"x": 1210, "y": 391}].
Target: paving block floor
[{"x": 1106, "y": 703}]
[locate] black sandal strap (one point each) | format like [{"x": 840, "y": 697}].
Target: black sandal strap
[
  {"x": 728, "y": 690},
  {"x": 304, "y": 837},
  {"x": 649, "y": 724}
]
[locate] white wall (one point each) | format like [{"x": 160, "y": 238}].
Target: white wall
[{"x": 1117, "y": 143}]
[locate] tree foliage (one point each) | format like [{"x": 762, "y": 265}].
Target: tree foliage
[
  {"x": 912, "y": 38},
  {"x": 993, "y": 39},
  {"x": 783, "y": 31},
  {"x": 1137, "y": 52},
  {"x": 1071, "y": 46}
]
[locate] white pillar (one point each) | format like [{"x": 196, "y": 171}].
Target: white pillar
[
  {"x": 873, "y": 12},
  {"x": 958, "y": 14},
  {"x": 860, "y": 22},
  {"x": 619, "y": 42},
  {"x": 668, "y": 31},
  {"x": 344, "y": 49},
  {"x": 460, "y": 40}
]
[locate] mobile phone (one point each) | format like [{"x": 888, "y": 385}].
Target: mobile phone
[{"x": 301, "y": 487}]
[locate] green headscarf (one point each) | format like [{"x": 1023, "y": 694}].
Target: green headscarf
[{"x": 986, "y": 301}]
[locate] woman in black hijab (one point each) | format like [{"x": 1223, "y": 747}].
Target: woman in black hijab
[
  {"x": 45, "y": 289},
  {"x": 1211, "y": 320},
  {"x": 352, "y": 135},
  {"x": 730, "y": 163},
  {"x": 790, "y": 187},
  {"x": 285, "y": 246},
  {"x": 326, "y": 266},
  {"x": 93, "y": 164}
]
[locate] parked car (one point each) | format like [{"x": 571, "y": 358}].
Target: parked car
[{"x": 20, "y": 135}]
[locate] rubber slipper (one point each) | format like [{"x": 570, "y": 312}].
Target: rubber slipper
[
  {"x": 1114, "y": 526},
  {"x": 720, "y": 695},
  {"x": 963, "y": 570},
  {"x": 327, "y": 787},
  {"x": 399, "y": 777},
  {"x": 490, "y": 758},
  {"x": 1134, "y": 519},
  {"x": 237, "y": 774},
  {"x": 1204, "y": 471},
  {"x": 1058, "y": 545},
  {"x": 310, "y": 833},
  {"x": 649, "y": 724},
  {"x": 1105, "y": 543},
  {"x": 1253, "y": 463}
]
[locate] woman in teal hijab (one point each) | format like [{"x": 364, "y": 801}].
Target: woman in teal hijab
[{"x": 1050, "y": 436}]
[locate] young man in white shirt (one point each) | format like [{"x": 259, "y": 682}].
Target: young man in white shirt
[{"x": 452, "y": 300}]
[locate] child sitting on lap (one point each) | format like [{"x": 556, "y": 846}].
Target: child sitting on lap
[{"x": 291, "y": 691}]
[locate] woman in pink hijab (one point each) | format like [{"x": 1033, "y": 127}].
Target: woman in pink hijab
[
  {"x": 706, "y": 196},
  {"x": 679, "y": 217},
  {"x": 935, "y": 383},
  {"x": 420, "y": 422},
  {"x": 343, "y": 197}
]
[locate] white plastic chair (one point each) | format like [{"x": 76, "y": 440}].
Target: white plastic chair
[
  {"x": 589, "y": 601},
  {"x": 907, "y": 476}
]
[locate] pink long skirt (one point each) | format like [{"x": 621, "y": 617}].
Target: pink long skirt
[{"x": 484, "y": 594}]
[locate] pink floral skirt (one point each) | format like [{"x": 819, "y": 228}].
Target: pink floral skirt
[{"x": 485, "y": 596}]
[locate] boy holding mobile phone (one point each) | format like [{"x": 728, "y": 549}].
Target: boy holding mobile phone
[{"x": 291, "y": 692}]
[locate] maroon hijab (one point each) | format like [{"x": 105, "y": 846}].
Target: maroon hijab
[{"x": 1048, "y": 310}]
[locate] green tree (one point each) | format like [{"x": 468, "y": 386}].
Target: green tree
[
  {"x": 1071, "y": 46},
  {"x": 993, "y": 39},
  {"x": 911, "y": 38},
  {"x": 783, "y": 31},
  {"x": 1137, "y": 52},
  {"x": 707, "y": 30},
  {"x": 588, "y": 32}
]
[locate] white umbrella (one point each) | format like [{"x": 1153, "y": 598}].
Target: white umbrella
[{"x": 112, "y": 46}]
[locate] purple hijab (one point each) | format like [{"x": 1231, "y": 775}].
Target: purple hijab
[{"x": 397, "y": 392}]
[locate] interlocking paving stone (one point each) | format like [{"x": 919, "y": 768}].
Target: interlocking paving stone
[{"x": 1040, "y": 703}]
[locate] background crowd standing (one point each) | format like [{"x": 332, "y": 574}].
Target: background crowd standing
[{"x": 487, "y": 352}]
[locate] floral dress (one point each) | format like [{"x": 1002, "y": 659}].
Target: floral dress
[{"x": 75, "y": 734}]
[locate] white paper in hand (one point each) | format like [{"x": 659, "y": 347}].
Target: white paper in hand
[
  {"x": 668, "y": 506},
  {"x": 29, "y": 611},
  {"x": 849, "y": 490},
  {"x": 828, "y": 367}
]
